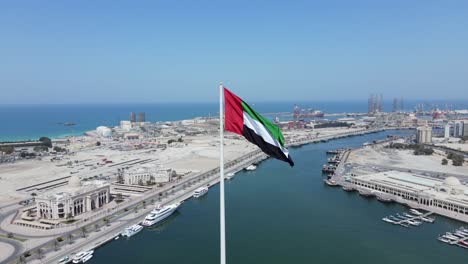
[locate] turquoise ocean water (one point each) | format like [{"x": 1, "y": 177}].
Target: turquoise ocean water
[{"x": 21, "y": 122}]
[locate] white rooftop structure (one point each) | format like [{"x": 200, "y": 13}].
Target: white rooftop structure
[{"x": 447, "y": 197}]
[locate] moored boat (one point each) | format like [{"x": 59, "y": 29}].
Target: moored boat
[
  {"x": 132, "y": 230},
  {"x": 365, "y": 193},
  {"x": 200, "y": 192},
  {"x": 416, "y": 212},
  {"x": 388, "y": 220},
  {"x": 88, "y": 257},
  {"x": 251, "y": 168},
  {"x": 428, "y": 220},
  {"x": 384, "y": 199},
  {"x": 65, "y": 259},
  {"x": 160, "y": 213},
  {"x": 348, "y": 188},
  {"x": 331, "y": 182},
  {"x": 81, "y": 256}
]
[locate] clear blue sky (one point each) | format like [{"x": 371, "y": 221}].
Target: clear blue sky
[{"x": 145, "y": 51}]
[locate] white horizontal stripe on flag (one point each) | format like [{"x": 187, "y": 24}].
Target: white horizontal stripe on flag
[{"x": 260, "y": 130}]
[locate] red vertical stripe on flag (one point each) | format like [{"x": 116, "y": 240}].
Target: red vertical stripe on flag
[{"x": 233, "y": 113}]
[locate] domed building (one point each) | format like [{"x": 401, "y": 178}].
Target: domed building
[
  {"x": 72, "y": 199},
  {"x": 451, "y": 185}
]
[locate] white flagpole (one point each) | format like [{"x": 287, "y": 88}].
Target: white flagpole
[{"x": 221, "y": 175}]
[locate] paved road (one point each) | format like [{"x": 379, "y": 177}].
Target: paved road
[{"x": 18, "y": 247}]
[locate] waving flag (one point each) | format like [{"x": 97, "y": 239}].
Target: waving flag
[{"x": 241, "y": 119}]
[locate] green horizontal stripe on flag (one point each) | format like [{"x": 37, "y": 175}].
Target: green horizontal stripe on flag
[{"x": 272, "y": 128}]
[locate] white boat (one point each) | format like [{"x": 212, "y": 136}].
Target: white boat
[
  {"x": 416, "y": 212},
  {"x": 132, "y": 230},
  {"x": 450, "y": 236},
  {"x": 331, "y": 182},
  {"x": 408, "y": 215},
  {"x": 413, "y": 222},
  {"x": 65, "y": 259},
  {"x": 88, "y": 257},
  {"x": 251, "y": 168},
  {"x": 428, "y": 220},
  {"x": 160, "y": 213},
  {"x": 230, "y": 175},
  {"x": 388, "y": 220},
  {"x": 200, "y": 192},
  {"x": 81, "y": 256},
  {"x": 443, "y": 239}
]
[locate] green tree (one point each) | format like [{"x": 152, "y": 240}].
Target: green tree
[
  {"x": 46, "y": 141},
  {"x": 7, "y": 149},
  {"x": 444, "y": 161}
]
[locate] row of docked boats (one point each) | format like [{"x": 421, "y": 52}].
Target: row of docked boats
[
  {"x": 458, "y": 237},
  {"x": 157, "y": 215},
  {"x": 416, "y": 218}
]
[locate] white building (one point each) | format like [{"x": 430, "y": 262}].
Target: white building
[
  {"x": 125, "y": 125},
  {"x": 424, "y": 134},
  {"x": 104, "y": 131},
  {"x": 447, "y": 197},
  {"x": 131, "y": 136},
  {"x": 73, "y": 199},
  {"x": 458, "y": 129},
  {"x": 148, "y": 174},
  {"x": 447, "y": 131}
]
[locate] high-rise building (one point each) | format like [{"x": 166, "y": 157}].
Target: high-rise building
[
  {"x": 141, "y": 117},
  {"x": 395, "y": 105},
  {"x": 460, "y": 129},
  {"x": 447, "y": 131},
  {"x": 424, "y": 134},
  {"x": 132, "y": 117}
]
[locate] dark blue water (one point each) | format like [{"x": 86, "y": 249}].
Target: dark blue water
[
  {"x": 279, "y": 215},
  {"x": 21, "y": 122}
]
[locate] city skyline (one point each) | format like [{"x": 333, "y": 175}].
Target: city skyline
[{"x": 111, "y": 52}]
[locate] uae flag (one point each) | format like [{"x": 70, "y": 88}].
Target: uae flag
[{"x": 241, "y": 119}]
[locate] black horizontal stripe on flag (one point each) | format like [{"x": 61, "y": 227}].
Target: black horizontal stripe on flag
[{"x": 269, "y": 149}]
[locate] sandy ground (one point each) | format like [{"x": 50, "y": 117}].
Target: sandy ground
[
  {"x": 5, "y": 250},
  {"x": 379, "y": 156},
  {"x": 457, "y": 146},
  {"x": 195, "y": 154}
]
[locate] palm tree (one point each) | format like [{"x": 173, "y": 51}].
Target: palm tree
[
  {"x": 83, "y": 231},
  {"x": 40, "y": 253},
  {"x": 56, "y": 245},
  {"x": 70, "y": 238},
  {"x": 106, "y": 221}
]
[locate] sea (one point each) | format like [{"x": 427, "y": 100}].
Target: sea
[
  {"x": 30, "y": 122},
  {"x": 275, "y": 214}
]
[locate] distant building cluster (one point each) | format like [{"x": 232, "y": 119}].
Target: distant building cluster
[
  {"x": 457, "y": 128},
  {"x": 147, "y": 175}
]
